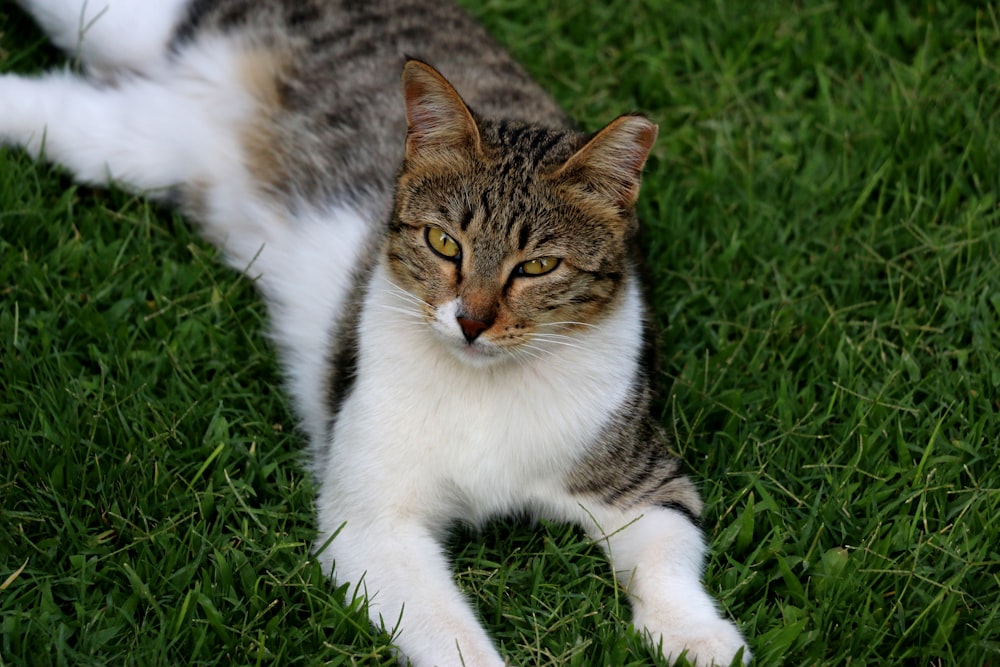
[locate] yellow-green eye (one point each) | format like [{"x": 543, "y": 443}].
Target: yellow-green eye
[
  {"x": 538, "y": 266},
  {"x": 443, "y": 244}
]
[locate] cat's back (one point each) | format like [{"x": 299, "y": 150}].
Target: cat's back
[{"x": 336, "y": 127}]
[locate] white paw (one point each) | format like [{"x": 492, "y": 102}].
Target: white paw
[{"x": 703, "y": 642}]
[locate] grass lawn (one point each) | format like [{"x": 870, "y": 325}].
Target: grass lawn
[{"x": 824, "y": 238}]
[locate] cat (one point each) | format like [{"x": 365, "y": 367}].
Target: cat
[{"x": 450, "y": 270}]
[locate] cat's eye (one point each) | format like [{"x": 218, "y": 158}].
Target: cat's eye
[
  {"x": 538, "y": 266},
  {"x": 443, "y": 244}
]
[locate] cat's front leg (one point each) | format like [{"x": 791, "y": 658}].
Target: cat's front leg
[
  {"x": 390, "y": 556},
  {"x": 658, "y": 554}
]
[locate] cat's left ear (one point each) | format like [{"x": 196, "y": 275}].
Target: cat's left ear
[
  {"x": 438, "y": 120},
  {"x": 611, "y": 163}
]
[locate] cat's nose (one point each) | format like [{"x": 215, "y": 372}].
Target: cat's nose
[{"x": 471, "y": 328}]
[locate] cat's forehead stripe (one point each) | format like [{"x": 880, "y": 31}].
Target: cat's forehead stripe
[
  {"x": 508, "y": 134},
  {"x": 543, "y": 145},
  {"x": 467, "y": 219},
  {"x": 484, "y": 205},
  {"x": 522, "y": 235}
]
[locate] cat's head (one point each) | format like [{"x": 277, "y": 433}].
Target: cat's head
[{"x": 511, "y": 237}]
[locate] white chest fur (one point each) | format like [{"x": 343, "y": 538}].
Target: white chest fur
[{"x": 470, "y": 442}]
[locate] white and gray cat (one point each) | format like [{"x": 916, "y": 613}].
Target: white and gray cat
[{"x": 451, "y": 280}]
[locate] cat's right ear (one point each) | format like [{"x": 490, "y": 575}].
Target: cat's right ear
[
  {"x": 438, "y": 121},
  {"x": 610, "y": 164}
]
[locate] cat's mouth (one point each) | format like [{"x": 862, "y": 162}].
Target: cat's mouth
[
  {"x": 480, "y": 351},
  {"x": 476, "y": 352}
]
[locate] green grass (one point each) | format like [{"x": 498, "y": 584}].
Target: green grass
[{"x": 824, "y": 236}]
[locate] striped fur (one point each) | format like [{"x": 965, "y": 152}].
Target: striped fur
[{"x": 352, "y": 134}]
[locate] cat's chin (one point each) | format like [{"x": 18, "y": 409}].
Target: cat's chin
[
  {"x": 478, "y": 357},
  {"x": 475, "y": 355}
]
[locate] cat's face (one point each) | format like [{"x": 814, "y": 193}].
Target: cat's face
[
  {"x": 500, "y": 239},
  {"x": 501, "y": 268}
]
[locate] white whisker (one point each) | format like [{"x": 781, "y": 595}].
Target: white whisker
[
  {"x": 566, "y": 323},
  {"x": 524, "y": 356},
  {"x": 415, "y": 315},
  {"x": 409, "y": 296},
  {"x": 535, "y": 351},
  {"x": 552, "y": 336},
  {"x": 558, "y": 340},
  {"x": 409, "y": 299}
]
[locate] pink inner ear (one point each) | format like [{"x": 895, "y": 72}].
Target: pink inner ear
[
  {"x": 421, "y": 115},
  {"x": 413, "y": 94}
]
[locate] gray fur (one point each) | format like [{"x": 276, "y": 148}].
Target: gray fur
[{"x": 339, "y": 91}]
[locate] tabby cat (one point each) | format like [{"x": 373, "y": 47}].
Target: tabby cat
[{"x": 449, "y": 266}]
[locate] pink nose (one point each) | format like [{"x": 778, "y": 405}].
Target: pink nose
[{"x": 472, "y": 328}]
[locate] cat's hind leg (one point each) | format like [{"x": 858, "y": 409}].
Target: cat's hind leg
[
  {"x": 138, "y": 134},
  {"x": 657, "y": 554},
  {"x": 178, "y": 134},
  {"x": 109, "y": 35},
  {"x": 180, "y": 124}
]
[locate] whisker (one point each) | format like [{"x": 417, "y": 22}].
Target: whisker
[
  {"x": 400, "y": 292},
  {"x": 524, "y": 358},
  {"x": 416, "y": 316},
  {"x": 552, "y": 336},
  {"x": 566, "y": 323},
  {"x": 409, "y": 299},
  {"x": 559, "y": 341},
  {"x": 536, "y": 352}
]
